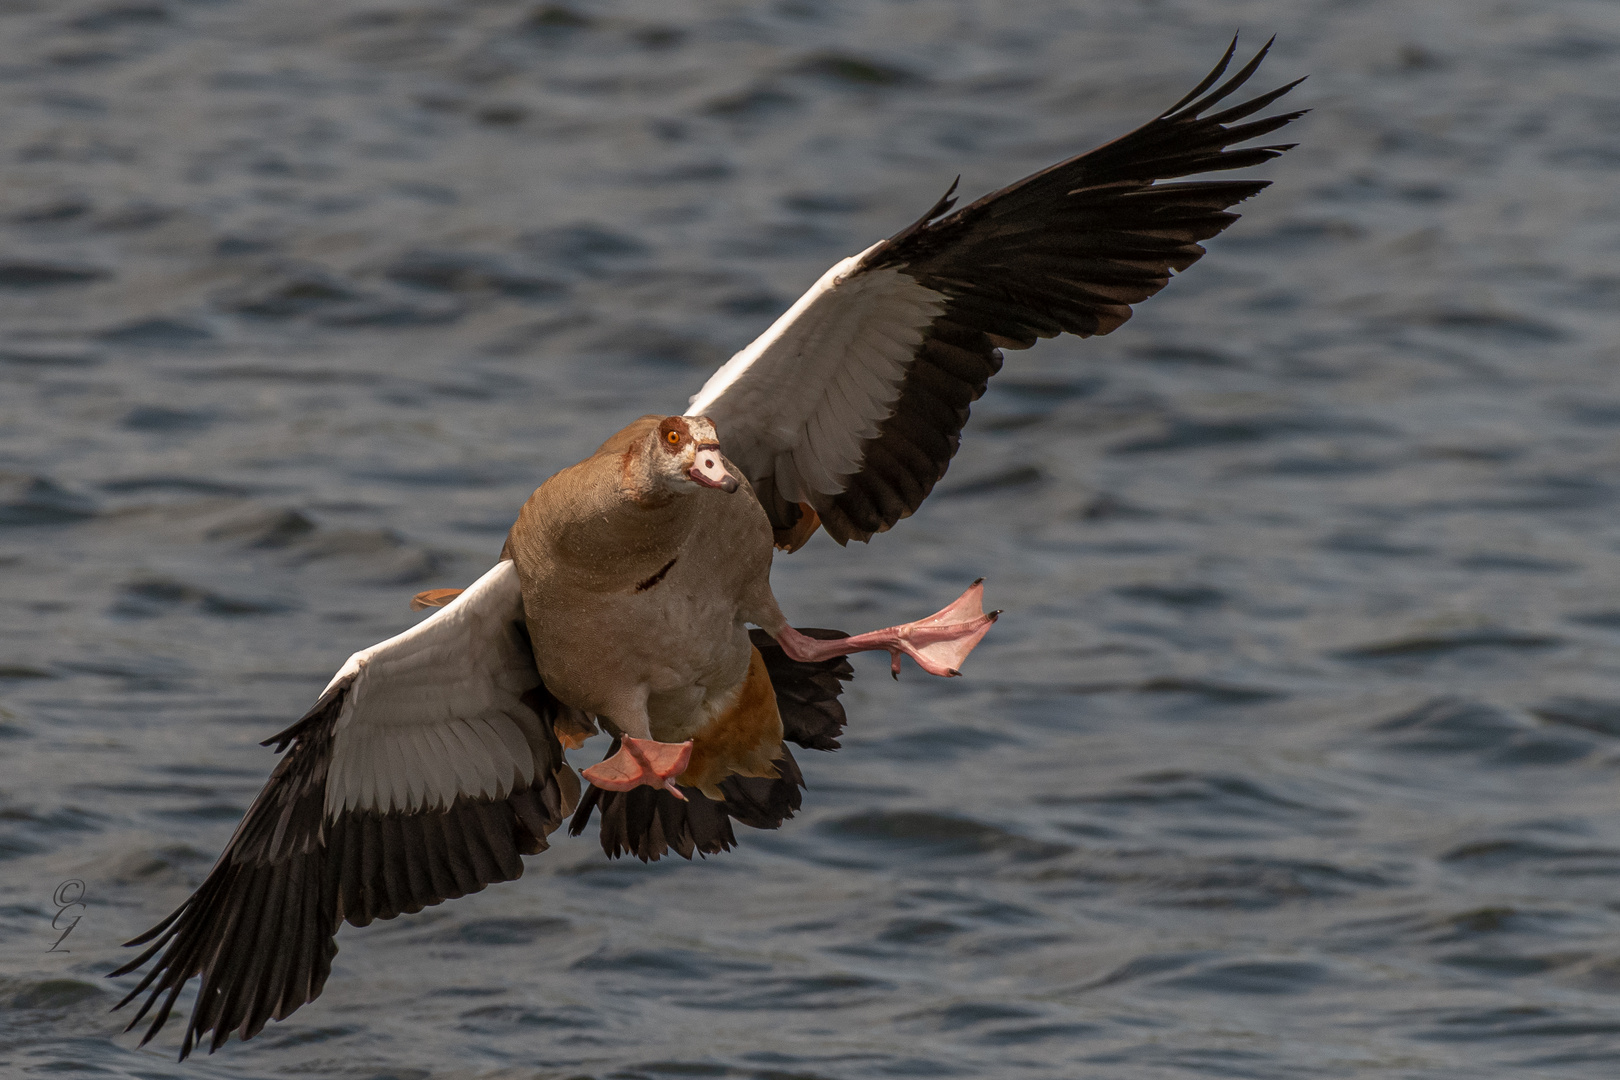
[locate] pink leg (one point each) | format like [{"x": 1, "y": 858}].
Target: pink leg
[
  {"x": 642, "y": 761},
  {"x": 938, "y": 643}
]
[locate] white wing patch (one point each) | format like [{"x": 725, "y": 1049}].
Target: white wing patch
[
  {"x": 802, "y": 399},
  {"x": 436, "y": 712}
]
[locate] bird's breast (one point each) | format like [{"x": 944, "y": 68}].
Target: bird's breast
[{"x": 669, "y": 620}]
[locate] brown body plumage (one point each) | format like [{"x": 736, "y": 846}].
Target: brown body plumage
[{"x": 638, "y": 599}]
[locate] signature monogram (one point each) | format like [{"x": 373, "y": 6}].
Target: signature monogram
[{"x": 69, "y": 901}]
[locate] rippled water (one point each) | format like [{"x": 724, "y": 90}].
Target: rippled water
[{"x": 1295, "y": 755}]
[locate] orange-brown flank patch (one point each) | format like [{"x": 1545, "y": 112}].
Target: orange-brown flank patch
[
  {"x": 745, "y": 738},
  {"x": 791, "y": 540}
]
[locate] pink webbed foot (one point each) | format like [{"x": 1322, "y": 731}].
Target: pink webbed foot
[
  {"x": 642, "y": 761},
  {"x": 938, "y": 643}
]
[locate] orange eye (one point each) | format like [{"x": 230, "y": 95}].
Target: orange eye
[{"x": 674, "y": 438}]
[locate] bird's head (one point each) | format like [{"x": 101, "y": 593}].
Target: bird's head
[{"x": 686, "y": 453}]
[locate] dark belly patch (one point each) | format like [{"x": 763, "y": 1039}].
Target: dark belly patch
[{"x": 656, "y": 578}]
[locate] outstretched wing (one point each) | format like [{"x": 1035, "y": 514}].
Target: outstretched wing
[
  {"x": 427, "y": 767},
  {"x": 850, "y": 407}
]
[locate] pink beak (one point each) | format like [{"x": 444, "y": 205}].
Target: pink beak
[{"x": 709, "y": 468}]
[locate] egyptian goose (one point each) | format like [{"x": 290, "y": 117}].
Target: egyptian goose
[{"x": 625, "y": 590}]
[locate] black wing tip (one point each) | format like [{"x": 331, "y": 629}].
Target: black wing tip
[
  {"x": 1209, "y": 80},
  {"x": 1218, "y": 70},
  {"x": 142, "y": 939},
  {"x": 128, "y": 968},
  {"x": 1190, "y": 106}
]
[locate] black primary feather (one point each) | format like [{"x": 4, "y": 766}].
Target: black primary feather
[
  {"x": 261, "y": 928},
  {"x": 1067, "y": 250}
]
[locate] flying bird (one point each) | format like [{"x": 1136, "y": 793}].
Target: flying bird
[{"x": 625, "y": 592}]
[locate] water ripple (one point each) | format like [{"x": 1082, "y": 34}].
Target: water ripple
[{"x": 1293, "y": 755}]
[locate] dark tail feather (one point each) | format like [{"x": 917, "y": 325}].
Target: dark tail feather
[
  {"x": 807, "y": 693},
  {"x": 648, "y": 822},
  {"x": 763, "y": 802}
]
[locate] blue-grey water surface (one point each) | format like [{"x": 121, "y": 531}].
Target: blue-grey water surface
[{"x": 1297, "y": 753}]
